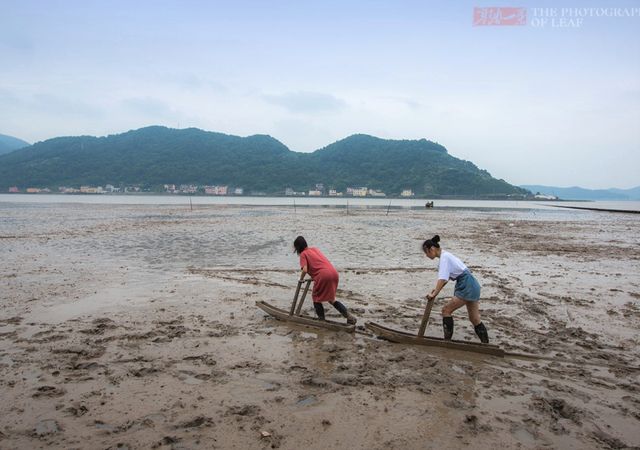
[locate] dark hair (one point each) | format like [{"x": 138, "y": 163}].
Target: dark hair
[
  {"x": 433, "y": 242},
  {"x": 300, "y": 244}
]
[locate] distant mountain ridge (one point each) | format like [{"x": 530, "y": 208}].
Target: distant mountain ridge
[
  {"x": 578, "y": 193},
  {"x": 154, "y": 156},
  {"x": 10, "y": 143}
]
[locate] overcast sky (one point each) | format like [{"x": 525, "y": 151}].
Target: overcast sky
[{"x": 555, "y": 102}]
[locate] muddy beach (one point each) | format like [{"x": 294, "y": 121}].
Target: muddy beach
[{"x": 135, "y": 326}]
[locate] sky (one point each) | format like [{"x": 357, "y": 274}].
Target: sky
[{"x": 554, "y": 102}]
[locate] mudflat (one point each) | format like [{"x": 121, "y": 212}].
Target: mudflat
[{"x": 135, "y": 326}]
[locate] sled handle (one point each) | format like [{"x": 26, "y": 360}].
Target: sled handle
[
  {"x": 295, "y": 298},
  {"x": 425, "y": 318},
  {"x": 304, "y": 295}
]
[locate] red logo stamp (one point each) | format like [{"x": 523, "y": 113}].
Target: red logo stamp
[{"x": 499, "y": 16}]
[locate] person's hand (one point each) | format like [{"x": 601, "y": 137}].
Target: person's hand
[{"x": 430, "y": 296}]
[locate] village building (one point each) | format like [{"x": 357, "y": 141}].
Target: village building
[
  {"x": 546, "y": 197},
  {"x": 407, "y": 193},
  {"x": 216, "y": 190}
]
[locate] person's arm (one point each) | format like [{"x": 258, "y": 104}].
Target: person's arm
[
  {"x": 437, "y": 290},
  {"x": 303, "y": 272}
]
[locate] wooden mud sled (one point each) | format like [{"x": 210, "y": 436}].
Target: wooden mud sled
[
  {"x": 294, "y": 315},
  {"x": 419, "y": 339}
]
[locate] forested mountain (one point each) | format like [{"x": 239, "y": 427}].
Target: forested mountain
[
  {"x": 9, "y": 144},
  {"x": 153, "y": 156}
]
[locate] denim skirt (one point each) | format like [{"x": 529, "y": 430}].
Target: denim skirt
[{"x": 467, "y": 287}]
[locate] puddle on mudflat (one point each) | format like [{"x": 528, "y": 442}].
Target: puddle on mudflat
[
  {"x": 104, "y": 426},
  {"x": 47, "y": 427},
  {"x": 138, "y": 425},
  {"x": 304, "y": 402},
  {"x": 306, "y": 335},
  {"x": 7, "y": 360},
  {"x": 273, "y": 333},
  {"x": 32, "y": 377},
  {"x": 32, "y": 330},
  {"x": 269, "y": 386},
  {"x": 412, "y": 411},
  {"x": 157, "y": 416},
  {"x": 189, "y": 379},
  {"x": 7, "y": 329},
  {"x": 525, "y": 437}
]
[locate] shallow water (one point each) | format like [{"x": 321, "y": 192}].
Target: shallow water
[{"x": 194, "y": 202}]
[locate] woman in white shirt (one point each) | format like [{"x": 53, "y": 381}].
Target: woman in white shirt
[{"x": 466, "y": 292}]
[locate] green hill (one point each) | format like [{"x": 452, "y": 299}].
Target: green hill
[
  {"x": 9, "y": 144},
  {"x": 154, "y": 156}
]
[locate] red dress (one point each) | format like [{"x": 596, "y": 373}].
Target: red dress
[{"x": 325, "y": 276}]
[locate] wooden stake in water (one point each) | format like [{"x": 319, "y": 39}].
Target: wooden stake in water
[
  {"x": 294, "y": 206},
  {"x": 190, "y": 203},
  {"x": 388, "y": 207}
]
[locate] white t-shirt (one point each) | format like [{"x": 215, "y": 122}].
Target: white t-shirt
[{"x": 449, "y": 267}]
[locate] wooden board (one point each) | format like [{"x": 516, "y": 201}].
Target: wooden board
[
  {"x": 304, "y": 320},
  {"x": 407, "y": 338}
]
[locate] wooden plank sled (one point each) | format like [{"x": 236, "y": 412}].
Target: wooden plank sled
[
  {"x": 293, "y": 315},
  {"x": 303, "y": 319},
  {"x": 408, "y": 338}
]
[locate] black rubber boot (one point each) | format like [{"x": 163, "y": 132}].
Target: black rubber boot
[
  {"x": 319, "y": 310},
  {"x": 345, "y": 313},
  {"x": 481, "y": 331},
  {"x": 447, "y": 327}
]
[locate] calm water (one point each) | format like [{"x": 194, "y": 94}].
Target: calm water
[{"x": 374, "y": 203}]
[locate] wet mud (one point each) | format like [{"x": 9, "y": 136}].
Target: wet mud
[{"x": 135, "y": 326}]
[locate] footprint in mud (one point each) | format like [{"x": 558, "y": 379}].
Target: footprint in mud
[
  {"x": 247, "y": 410},
  {"x": 143, "y": 371},
  {"x": 100, "y": 326},
  {"x": 195, "y": 423},
  {"x": 191, "y": 378},
  {"x": 49, "y": 391},
  {"x": 557, "y": 408}
]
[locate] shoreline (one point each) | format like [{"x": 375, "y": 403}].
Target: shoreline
[{"x": 334, "y": 197}]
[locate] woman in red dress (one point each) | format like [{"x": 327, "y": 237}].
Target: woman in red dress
[{"x": 325, "y": 278}]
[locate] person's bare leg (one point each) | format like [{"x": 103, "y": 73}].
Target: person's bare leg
[
  {"x": 474, "y": 313},
  {"x": 474, "y": 316},
  {"x": 447, "y": 311}
]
